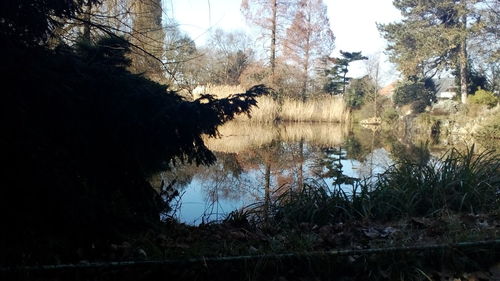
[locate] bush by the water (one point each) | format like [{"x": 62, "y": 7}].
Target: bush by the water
[
  {"x": 484, "y": 97},
  {"x": 390, "y": 115},
  {"x": 491, "y": 128}
]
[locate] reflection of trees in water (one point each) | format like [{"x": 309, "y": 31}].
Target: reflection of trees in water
[
  {"x": 410, "y": 152},
  {"x": 375, "y": 162},
  {"x": 178, "y": 176},
  {"x": 293, "y": 175},
  {"x": 275, "y": 167},
  {"x": 225, "y": 179},
  {"x": 328, "y": 165},
  {"x": 268, "y": 160},
  {"x": 360, "y": 142},
  {"x": 264, "y": 170}
]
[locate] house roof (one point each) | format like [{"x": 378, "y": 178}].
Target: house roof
[
  {"x": 444, "y": 84},
  {"x": 388, "y": 90}
]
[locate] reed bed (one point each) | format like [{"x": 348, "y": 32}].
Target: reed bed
[
  {"x": 326, "y": 109},
  {"x": 320, "y": 109},
  {"x": 267, "y": 111},
  {"x": 240, "y": 136}
]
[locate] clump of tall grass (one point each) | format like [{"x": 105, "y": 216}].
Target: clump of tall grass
[
  {"x": 318, "y": 204},
  {"x": 268, "y": 110},
  {"x": 326, "y": 109},
  {"x": 460, "y": 182}
]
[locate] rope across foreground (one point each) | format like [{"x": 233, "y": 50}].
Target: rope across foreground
[{"x": 204, "y": 260}]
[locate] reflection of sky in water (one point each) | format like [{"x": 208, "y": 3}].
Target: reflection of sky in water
[
  {"x": 213, "y": 192},
  {"x": 201, "y": 200}
]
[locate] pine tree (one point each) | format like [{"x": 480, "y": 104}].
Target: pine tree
[
  {"x": 337, "y": 74},
  {"x": 433, "y": 36}
]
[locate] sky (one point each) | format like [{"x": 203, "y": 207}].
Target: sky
[{"x": 353, "y": 23}]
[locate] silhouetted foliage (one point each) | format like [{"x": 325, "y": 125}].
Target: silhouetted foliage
[
  {"x": 31, "y": 22},
  {"x": 81, "y": 135}
]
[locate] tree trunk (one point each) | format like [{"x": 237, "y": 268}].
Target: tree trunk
[
  {"x": 463, "y": 60},
  {"x": 301, "y": 165},
  {"x": 344, "y": 82},
  {"x": 307, "y": 56},
  {"x": 463, "y": 73},
  {"x": 273, "y": 38},
  {"x": 306, "y": 77}
]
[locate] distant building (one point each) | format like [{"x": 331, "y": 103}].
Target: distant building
[
  {"x": 388, "y": 90},
  {"x": 445, "y": 88}
]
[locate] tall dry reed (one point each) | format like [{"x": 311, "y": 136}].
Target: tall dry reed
[
  {"x": 326, "y": 109},
  {"x": 268, "y": 110}
]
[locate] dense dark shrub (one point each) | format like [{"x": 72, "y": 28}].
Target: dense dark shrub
[
  {"x": 420, "y": 94},
  {"x": 80, "y": 136}
]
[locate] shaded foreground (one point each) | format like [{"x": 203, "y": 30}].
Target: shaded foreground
[
  {"x": 421, "y": 220},
  {"x": 440, "y": 262}
]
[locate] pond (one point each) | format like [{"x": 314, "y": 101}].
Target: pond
[{"x": 258, "y": 162}]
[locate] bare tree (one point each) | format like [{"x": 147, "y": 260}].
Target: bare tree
[
  {"x": 231, "y": 53},
  {"x": 374, "y": 71},
  {"x": 309, "y": 38},
  {"x": 272, "y": 17}
]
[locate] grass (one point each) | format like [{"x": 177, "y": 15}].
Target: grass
[
  {"x": 267, "y": 111},
  {"x": 491, "y": 127},
  {"x": 459, "y": 182}
]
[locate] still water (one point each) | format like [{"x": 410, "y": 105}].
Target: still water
[{"x": 252, "y": 157}]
